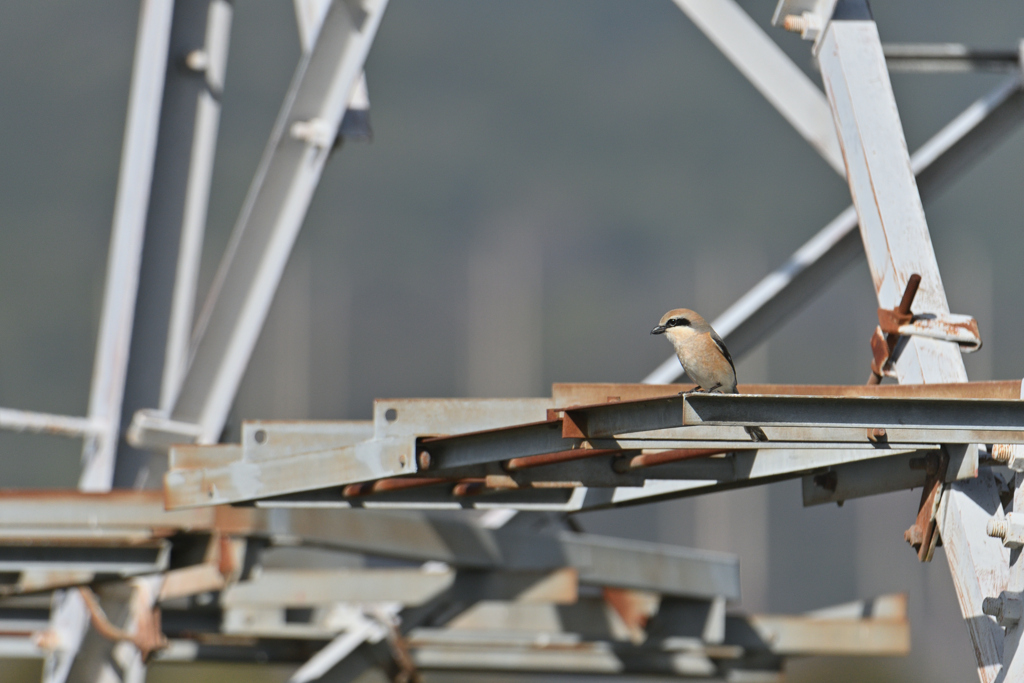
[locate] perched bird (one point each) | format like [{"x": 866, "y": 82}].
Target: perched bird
[
  {"x": 702, "y": 354},
  {"x": 700, "y": 350}
]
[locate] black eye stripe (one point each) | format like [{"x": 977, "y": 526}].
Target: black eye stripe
[{"x": 675, "y": 322}]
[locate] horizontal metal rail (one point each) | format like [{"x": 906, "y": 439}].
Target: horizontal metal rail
[{"x": 566, "y": 453}]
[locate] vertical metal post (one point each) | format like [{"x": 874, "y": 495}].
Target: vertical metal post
[
  {"x": 134, "y": 181},
  {"x": 176, "y": 219},
  {"x": 212, "y": 63},
  {"x": 897, "y": 243},
  {"x": 70, "y": 620}
]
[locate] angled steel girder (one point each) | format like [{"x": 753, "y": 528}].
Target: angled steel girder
[
  {"x": 303, "y": 137},
  {"x": 130, "y": 205},
  {"x": 556, "y": 454},
  {"x": 898, "y": 245},
  {"x": 770, "y": 71}
]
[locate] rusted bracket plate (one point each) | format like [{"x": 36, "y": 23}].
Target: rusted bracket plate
[{"x": 923, "y": 534}]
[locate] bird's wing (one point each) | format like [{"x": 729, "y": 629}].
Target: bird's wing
[{"x": 725, "y": 352}]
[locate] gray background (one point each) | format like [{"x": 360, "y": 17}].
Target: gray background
[{"x": 545, "y": 180}]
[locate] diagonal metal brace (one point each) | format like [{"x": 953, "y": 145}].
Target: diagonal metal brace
[{"x": 923, "y": 535}]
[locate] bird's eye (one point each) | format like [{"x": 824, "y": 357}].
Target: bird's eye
[{"x": 678, "y": 321}]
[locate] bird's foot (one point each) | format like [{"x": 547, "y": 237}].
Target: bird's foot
[{"x": 696, "y": 390}]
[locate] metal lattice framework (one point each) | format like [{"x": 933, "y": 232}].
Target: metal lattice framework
[{"x": 586, "y": 446}]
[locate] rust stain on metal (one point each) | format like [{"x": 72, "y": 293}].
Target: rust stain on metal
[
  {"x": 148, "y": 636},
  {"x": 470, "y": 487},
  {"x": 529, "y": 461},
  {"x": 889, "y": 322},
  {"x": 923, "y": 536},
  {"x": 360, "y": 489},
  {"x": 390, "y": 484},
  {"x": 402, "y": 483},
  {"x": 574, "y": 425},
  {"x": 652, "y": 459},
  {"x": 595, "y": 394}
]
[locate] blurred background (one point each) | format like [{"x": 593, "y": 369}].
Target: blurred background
[{"x": 546, "y": 178}]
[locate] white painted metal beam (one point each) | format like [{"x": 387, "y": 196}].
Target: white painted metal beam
[
  {"x": 273, "y": 212},
  {"x": 130, "y": 205},
  {"x": 897, "y": 243},
  {"x": 768, "y": 69}
]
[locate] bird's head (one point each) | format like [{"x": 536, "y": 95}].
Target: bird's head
[{"x": 680, "y": 324}]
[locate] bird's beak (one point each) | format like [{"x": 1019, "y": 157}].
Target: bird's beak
[{"x": 660, "y": 329}]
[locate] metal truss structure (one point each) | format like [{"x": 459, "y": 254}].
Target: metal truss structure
[
  {"x": 168, "y": 384},
  {"x": 228, "y": 584}
]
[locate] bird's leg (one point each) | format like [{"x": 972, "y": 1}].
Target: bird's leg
[
  {"x": 717, "y": 386},
  {"x": 696, "y": 390}
]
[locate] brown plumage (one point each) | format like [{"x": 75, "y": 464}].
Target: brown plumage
[
  {"x": 702, "y": 354},
  {"x": 700, "y": 350}
]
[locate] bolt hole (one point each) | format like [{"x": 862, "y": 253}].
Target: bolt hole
[
  {"x": 260, "y": 436},
  {"x": 390, "y": 414}
]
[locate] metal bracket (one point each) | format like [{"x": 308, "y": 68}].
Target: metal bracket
[
  {"x": 882, "y": 344},
  {"x": 901, "y": 322},
  {"x": 923, "y": 535}
]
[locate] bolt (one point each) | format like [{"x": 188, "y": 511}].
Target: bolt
[
  {"x": 992, "y": 606},
  {"x": 1001, "y": 452},
  {"x": 424, "y": 460},
  {"x": 794, "y": 23},
  {"x": 197, "y": 60},
  {"x": 996, "y": 528},
  {"x": 877, "y": 434},
  {"x": 260, "y": 436}
]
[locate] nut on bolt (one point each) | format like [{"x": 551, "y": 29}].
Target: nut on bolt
[
  {"x": 1007, "y": 608},
  {"x": 1011, "y": 455},
  {"x": 1010, "y": 529}
]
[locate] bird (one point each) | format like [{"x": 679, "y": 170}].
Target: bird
[{"x": 703, "y": 355}]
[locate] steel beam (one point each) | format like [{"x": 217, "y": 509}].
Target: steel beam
[
  {"x": 69, "y": 620},
  {"x": 768, "y": 69},
  {"x": 176, "y": 218},
  {"x": 947, "y": 57},
  {"x": 898, "y": 244},
  {"x": 597, "y": 445},
  {"x": 305, "y": 132},
  {"x": 130, "y": 205}
]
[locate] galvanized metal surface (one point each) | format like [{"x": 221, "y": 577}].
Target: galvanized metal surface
[
  {"x": 269, "y": 222},
  {"x": 898, "y": 246}
]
